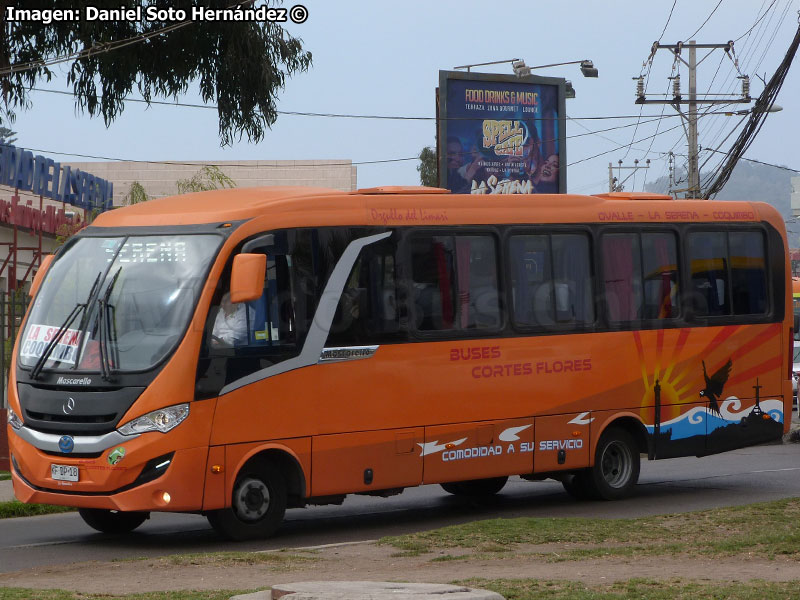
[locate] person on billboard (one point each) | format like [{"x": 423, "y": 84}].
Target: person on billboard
[
  {"x": 455, "y": 162},
  {"x": 474, "y": 172},
  {"x": 546, "y": 180},
  {"x": 531, "y": 155}
]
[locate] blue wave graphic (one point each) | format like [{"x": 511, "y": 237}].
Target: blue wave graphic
[{"x": 701, "y": 421}]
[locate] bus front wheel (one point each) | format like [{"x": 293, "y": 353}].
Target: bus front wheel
[
  {"x": 616, "y": 466},
  {"x": 112, "y": 521},
  {"x": 257, "y": 507},
  {"x": 475, "y": 488}
]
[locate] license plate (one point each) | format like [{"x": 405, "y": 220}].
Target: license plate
[{"x": 64, "y": 472}]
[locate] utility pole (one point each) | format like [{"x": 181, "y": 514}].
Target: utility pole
[
  {"x": 694, "y": 174},
  {"x": 677, "y": 100},
  {"x": 672, "y": 174},
  {"x": 614, "y": 183}
]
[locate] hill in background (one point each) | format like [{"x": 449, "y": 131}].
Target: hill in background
[{"x": 755, "y": 182}]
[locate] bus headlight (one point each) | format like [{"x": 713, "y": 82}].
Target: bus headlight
[
  {"x": 14, "y": 420},
  {"x": 163, "y": 420}
]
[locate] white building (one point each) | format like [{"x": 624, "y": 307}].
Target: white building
[{"x": 160, "y": 178}]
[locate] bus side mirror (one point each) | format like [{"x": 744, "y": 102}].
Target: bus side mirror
[
  {"x": 247, "y": 277},
  {"x": 37, "y": 279}
]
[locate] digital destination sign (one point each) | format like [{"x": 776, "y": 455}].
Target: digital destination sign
[{"x": 500, "y": 134}]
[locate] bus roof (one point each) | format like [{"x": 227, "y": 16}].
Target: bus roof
[{"x": 395, "y": 205}]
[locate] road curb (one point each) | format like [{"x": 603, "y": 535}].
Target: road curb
[
  {"x": 368, "y": 590},
  {"x": 7, "y": 491}
]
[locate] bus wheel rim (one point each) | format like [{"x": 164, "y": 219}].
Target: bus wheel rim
[
  {"x": 616, "y": 464},
  {"x": 251, "y": 500}
]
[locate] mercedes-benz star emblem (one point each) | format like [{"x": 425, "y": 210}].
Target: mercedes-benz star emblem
[
  {"x": 68, "y": 406},
  {"x": 66, "y": 444}
]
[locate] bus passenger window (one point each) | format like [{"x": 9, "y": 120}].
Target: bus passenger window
[
  {"x": 454, "y": 281},
  {"x": 660, "y": 265},
  {"x": 622, "y": 285},
  {"x": 551, "y": 280},
  {"x": 432, "y": 261},
  {"x": 708, "y": 260},
  {"x": 572, "y": 279},
  {"x": 748, "y": 272},
  {"x": 367, "y": 312},
  {"x": 531, "y": 277}
]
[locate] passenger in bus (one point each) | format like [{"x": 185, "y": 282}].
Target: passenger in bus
[{"x": 230, "y": 326}]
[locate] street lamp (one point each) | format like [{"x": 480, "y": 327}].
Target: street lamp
[
  {"x": 522, "y": 70},
  {"x": 772, "y": 109}
]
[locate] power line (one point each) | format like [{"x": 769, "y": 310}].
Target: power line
[
  {"x": 760, "y": 162},
  {"x": 218, "y": 164},
  {"x": 757, "y": 117},
  {"x": 348, "y": 115},
  {"x": 663, "y": 31},
  {"x": 757, "y": 21},
  {"x": 706, "y": 21},
  {"x": 623, "y": 146},
  {"x": 365, "y": 162}
]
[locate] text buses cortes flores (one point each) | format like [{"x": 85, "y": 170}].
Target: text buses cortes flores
[{"x": 241, "y": 352}]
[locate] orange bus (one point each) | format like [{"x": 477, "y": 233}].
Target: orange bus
[{"x": 240, "y": 352}]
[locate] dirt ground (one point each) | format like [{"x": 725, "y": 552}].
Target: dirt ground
[{"x": 369, "y": 561}]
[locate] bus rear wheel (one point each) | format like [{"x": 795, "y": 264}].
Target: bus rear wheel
[
  {"x": 257, "y": 505},
  {"x": 475, "y": 488},
  {"x": 112, "y": 521},
  {"x": 616, "y": 466}
]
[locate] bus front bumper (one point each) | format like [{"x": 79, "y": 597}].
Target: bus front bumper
[{"x": 151, "y": 486}]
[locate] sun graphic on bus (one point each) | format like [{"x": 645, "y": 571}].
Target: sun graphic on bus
[{"x": 676, "y": 361}]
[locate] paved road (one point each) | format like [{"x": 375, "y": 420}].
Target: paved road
[{"x": 751, "y": 475}]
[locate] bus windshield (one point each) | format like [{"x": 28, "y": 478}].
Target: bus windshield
[{"x": 123, "y": 302}]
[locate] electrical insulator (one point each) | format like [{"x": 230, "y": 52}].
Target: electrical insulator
[
  {"x": 676, "y": 85},
  {"x": 745, "y": 86},
  {"x": 640, "y": 86}
]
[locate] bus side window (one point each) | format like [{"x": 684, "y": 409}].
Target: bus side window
[
  {"x": 622, "y": 284},
  {"x": 708, "y": 260},
  {"x": 551, "y": 279},
  {"x": 660, "y": 270},
  {"x": 433, "y": 295},
  {"x": 454, "y": 282},
  {"x": 572, "y": 279},
  {"x": 367, "y": 311},
  {"x": 531, "y": 274},
  {"x": 748, "y": 272}
]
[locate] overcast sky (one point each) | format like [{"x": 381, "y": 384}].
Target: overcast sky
[{"x": 383, "y": 58}]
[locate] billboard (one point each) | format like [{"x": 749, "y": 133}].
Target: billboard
[{"x": 501, "y": 134}]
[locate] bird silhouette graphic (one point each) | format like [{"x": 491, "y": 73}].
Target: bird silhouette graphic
[{"x": 714, "y": 385}]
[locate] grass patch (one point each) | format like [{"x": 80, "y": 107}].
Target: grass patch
[
  {"x": 29, "y": 594},
  {"x": 768, "y": 529},
  {"x": 280, "y": 560},
  {"x": 449, "y": 557},
  {"x": 5, "y": 475},
  {"x": 15, "y": 508},
  {"x": 642, "y": 589}
]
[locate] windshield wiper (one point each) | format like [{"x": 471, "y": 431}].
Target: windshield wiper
[
  {"x": 108, "y": 331},
  {"x": 79, "y": 307}
]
